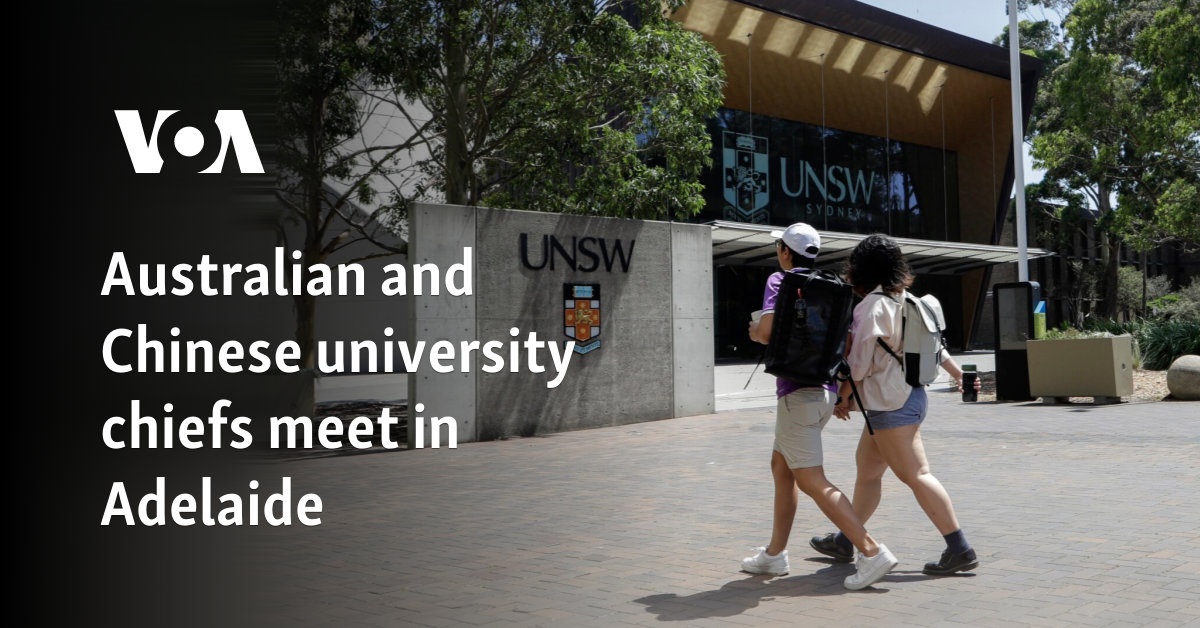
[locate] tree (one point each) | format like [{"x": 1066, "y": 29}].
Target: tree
[
  {"x": 579, "y": 106},
  {"x": 1117, "y": 120},
  {"x": 1164, "y": 204},
  {"x": 324, "y": 48},
  {"x": 584, "y": 106}
]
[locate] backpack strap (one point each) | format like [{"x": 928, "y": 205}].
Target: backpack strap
[
  {"x": 890, "y": 351},
  {"x": 843, "y": 374}
]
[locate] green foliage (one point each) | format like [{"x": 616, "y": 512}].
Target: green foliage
[
  {"x": 1131, "y": 84},
  {"x": 1129, "y": 289},
  {"x": 1071, "y": 333},
  {"x": 1162, "y": 341},
  {"x": 1182, "y": 305},
  {"x": 558, "y": 105},
  {"x": 1163, "y": 302},
  {"x": 325, "y": 48},
  {"x": 636, "y": 148},
  {"x": 1041, "y": 39},
  {"x": 1170, "y": 43},
  {"x": 1178, "y": 209},
  {"x": 586, "y": 106},
  {"x": 1115, "y": 127},
  {"x": 591, "y": 106}
]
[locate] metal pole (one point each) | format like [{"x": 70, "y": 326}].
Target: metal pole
[
  {"x": 750, "y": 82},
  {"x": 1014, "y": 61},
  {"x": 945, "y": 190},
  {"x": 824, "y": 155},
  {"x": 887, "y": 149}
]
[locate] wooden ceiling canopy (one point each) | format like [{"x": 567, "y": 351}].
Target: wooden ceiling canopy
[{"x": 852, "y": 67}]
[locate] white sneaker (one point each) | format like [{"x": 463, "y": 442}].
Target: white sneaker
[
  {"x": 870, "y": 569},
  {"x": 762, "y": 562}
]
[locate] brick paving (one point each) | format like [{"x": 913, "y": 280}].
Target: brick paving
[{"x": 1081, "y": 516}]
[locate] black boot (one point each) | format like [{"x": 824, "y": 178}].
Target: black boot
[
  {"x": 952, "y": 563},
  {"x": 829, "y": 547}
]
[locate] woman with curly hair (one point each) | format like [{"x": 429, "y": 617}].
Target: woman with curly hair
[{"x": 880, "y": 275}]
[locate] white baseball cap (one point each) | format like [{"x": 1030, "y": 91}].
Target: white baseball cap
[{"x": 801, "y": 238}]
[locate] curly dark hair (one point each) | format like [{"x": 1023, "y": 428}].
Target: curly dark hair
[{"x": 878, "y": 261}]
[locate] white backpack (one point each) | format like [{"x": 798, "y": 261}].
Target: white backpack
[{"x": 922, "y": 342}]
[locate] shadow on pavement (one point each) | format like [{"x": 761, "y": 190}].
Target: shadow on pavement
[{"x": 739, "y": 596}]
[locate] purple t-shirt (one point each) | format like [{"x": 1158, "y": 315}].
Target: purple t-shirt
[{"x": 783, "y": 387}]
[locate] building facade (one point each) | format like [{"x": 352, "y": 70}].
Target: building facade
[{"x": 857, "y": 121}]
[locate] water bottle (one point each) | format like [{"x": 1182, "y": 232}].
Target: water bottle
[{"x": 969, "y": 377}]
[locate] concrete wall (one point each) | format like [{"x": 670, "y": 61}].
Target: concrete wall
[
  {"x": 357, "y": 318},
  {"x": 655, "y": 354},
  {"x": 694, "y": 350},
  {"x": 438, "y": 234}
]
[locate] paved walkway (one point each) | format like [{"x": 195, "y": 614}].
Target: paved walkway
[{"x": 1081, "y": 515}]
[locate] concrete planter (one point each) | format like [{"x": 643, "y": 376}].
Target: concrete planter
[{"x": 1101, "y": 368}]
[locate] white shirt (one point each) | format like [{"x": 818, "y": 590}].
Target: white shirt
[{"x": 878, "y": 316}]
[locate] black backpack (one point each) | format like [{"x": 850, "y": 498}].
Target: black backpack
[{"x": 808, "y": 336}]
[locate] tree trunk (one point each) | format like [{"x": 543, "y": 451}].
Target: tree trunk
[
  {"x": 1110, "y": 255},
  {"x": 457, "y": 166},
  {"x": 1080, "y": 297},
  {"x": 305, "y": 305},
  {"x": 1112, "y": 263},
  {"x": 1142, "y": 310},
  {"x": 306, "y": 328}
]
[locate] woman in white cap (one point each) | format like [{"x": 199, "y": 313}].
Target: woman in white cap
[{"x": 796, "y": 459}]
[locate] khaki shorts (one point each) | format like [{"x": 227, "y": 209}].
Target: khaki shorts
[{"x": 799, "y": 418}]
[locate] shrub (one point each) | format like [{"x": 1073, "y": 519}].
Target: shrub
[
  {"x": 1129, "y": 289},
  {"x": 1182, "y": 305},
  {"x": 1116, "y": 328},
  {"x": 1162, "y": 341}
]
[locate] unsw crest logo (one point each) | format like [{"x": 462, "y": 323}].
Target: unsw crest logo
[
  {"x": 744, "y": 160},
  {"x": 186, "y": 142},
  {"x": 581, "y": 315}
]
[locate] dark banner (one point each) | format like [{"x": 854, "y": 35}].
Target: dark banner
[
  {"x": 772, "y": 171},
  {"x": 149, "y": 144}
]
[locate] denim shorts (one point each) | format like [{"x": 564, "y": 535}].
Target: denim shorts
[{"x": 911, "y": 413}]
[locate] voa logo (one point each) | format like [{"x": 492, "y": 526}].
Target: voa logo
[{"x": 182, "y": 142}]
